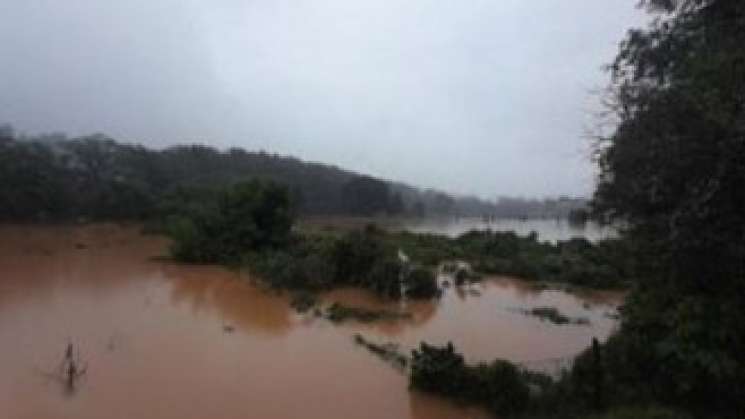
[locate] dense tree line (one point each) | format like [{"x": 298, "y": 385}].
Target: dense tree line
[
  {"x": 53, "y": 177},
  {"x": 362, "y": 259}
]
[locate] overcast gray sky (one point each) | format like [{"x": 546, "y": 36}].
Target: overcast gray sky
[{"x": 487, "y": 97}]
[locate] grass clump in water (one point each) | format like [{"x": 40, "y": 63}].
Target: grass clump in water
[
  {"x": 553, "y": 315},
  {"x": 338, "y": 313}
]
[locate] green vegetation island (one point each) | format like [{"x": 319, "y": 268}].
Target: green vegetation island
[{"x": 250, "y": 225}]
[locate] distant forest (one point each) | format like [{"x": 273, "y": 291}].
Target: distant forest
[{"x": 54, "y": 177}]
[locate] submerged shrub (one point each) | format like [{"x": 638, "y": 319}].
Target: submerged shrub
[
  {"x": 385, "y": 278},
  {"x": 421, "y": 283},
  {"x": 498, "y": 385},
  {"x": 501, "y": 386},
  {"x": 339, "y": 313},
  {"x": 388, "y": 352},
  {"x": 187, "y": 242},
  {"x": 355, "y": 254},
  {"x": 553, "y": 315},
  {"x": 250, "y": 216},
  {"x": 360, "y": 258},
  {"x": 438, "y": 370},
  {"x": 291, "y": 269}
]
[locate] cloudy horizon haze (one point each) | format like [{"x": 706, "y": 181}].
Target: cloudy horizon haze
[{"x": 480, "y": 97}]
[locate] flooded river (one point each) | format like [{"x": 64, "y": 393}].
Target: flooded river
[
  {"x": 550, "y": 230},
  {"x": 171, "y": 341}
]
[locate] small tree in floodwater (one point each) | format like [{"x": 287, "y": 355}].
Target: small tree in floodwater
[
  {"x": 248, "y": 216},
  {"x": 498, "y": 385}
]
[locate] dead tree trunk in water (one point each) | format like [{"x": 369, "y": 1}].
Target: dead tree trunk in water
[{"x": 71, "y": 370}]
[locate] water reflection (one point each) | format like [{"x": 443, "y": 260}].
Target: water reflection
[{"x": 230, "y": 297}]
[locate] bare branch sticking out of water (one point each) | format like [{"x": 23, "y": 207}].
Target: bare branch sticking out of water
[
  {"x": 73, "y": 368},
  {"x": 338, "y": 313},
  {"x": 69, "y": 372},
  {"x": 388, "y": 352}
]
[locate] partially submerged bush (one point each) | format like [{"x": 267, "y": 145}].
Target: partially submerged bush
[
  {"x": 388, "y": 352},
  {"x": 553, "y": 315},
  {"x": 358, "y": 258},
  {"x": 384, "y": 279},
  {"x": 438, "y": 370},
  {"x": 303, "y": 264},
  {"x": 249, "y": 216},
  {"x": 421, "y": 283},
  {"x": 339, "y": 313},
  {"x": 498, "y": 385},
  {"x": 595, "y": 384},
  {"x": 363, "y": 258}
]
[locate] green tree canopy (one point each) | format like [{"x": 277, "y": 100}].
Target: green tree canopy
[
  {"x": 674, "y": 172},
  {"x": 249, "y": 216}
]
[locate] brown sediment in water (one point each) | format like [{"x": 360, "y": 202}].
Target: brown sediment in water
[{"x": 163, "y": 340}]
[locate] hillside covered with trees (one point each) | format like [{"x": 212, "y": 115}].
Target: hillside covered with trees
[{"x": 53, "y": 177}]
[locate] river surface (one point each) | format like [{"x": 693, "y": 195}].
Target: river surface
[
  {"x": 551, "y": 230},
  {"x": 165, "y": 341}
]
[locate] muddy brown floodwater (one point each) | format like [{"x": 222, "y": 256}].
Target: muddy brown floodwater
[{"x": 171, "y": 341}]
